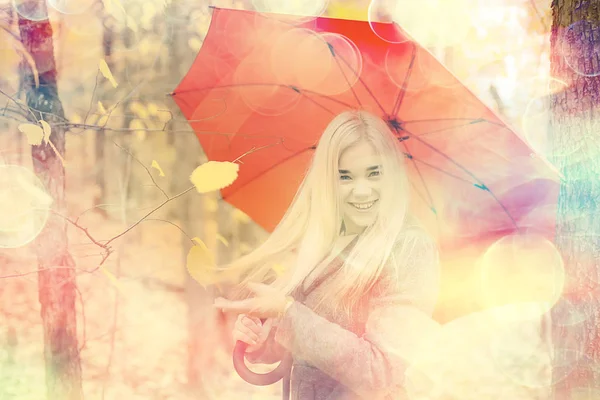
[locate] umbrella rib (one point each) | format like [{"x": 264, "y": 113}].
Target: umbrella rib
[
  {"x": 414, "y": 121},
  {"x": 347, "y": 64},
  {"x": 438, "y": 169},
  {"x": 337, "y": 61},
  {"x": 450, "y": 128},
  {"x": 294, "y": 88},
  {"x": 420, "y": 176},
  {"x": 402, "y": 93},
  {"x": 479, "y": 184},
  {"x": 336, "y": 56},
  {"x": 269, "y": 169}
]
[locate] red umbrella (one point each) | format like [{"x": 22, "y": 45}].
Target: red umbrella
[{"x": 273, "y": 82}]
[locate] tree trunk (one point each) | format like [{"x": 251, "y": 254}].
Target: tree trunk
[
  {"x": 575, "y": 152},
  {"x": 56, "y": 275}
]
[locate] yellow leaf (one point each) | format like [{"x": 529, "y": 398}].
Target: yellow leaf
[
  {"x": 131, "y": 24},
  {"x": 240, "y": 216},
  {"x": 102, "y": 120},
  {"x": 278, "y": 268},
  {"x": 214, "y": 175},
  {"x": 139, "y": 109},
  {"x": 222, "y": 240},
  {"x": 201, "y": 264},
  {"x": 107, "y": 6},
  {"x": 118, "y": 3},
  {"x": 194, "y": 43},
  {"x": 34, "y": 133},
  {"x": 105, "y": 71},
  {"x": 113, "y": 279},
  {"x": 152, "y": 109},
  {"x": 101, "y": 108},
  {"x": 139, "y": 127},
  {"x": 155, "y": 165},
  {"x": 46, "y": 129},
  {"x": 212, "y": 205}
]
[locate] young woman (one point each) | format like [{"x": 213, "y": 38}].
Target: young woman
[{"x": 356, "y": 300}]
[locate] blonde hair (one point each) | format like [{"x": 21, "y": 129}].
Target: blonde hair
[{"x": 312, "y": 223}]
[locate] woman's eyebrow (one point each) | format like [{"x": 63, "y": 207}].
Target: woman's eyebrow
[
  {"x": 373, "y": 168},
  {"x": 343, "y": 171}
]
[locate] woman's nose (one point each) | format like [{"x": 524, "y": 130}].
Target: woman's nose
[{"x": 362, "y": 189}]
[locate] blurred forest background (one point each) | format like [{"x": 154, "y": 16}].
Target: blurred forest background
[{"x": 146, "y": 329}]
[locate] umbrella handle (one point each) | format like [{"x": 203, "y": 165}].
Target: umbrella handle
[{"x": 252, "y": 377}]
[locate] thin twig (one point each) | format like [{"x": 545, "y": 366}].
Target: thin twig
[
  {"x": 151, "y": 212},
  {"x": 87, "y": 233},
  {"x": 142, "y": 164},
  {"x": 93, "y": 95},
  {"x": 254, "y": 149},
  {"x": 174, "y": 224},
  {"x": 83, "y": 340}
]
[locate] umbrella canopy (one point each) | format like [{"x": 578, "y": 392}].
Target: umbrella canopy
[{"x": 273, "y": 82}]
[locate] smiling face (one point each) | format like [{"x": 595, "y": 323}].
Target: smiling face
[{"x": 360, "y": 173}]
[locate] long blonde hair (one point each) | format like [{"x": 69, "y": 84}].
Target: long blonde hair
[{"x": 312, "y": 223}]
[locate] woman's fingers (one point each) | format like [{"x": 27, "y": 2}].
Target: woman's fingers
[
  {"x": 243, "y": 337},
  {"x": 247, "y": 327},
  {"x": 242, "y": 306}
]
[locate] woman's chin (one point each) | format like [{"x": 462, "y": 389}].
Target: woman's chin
[{"x": 362, "y": 222}]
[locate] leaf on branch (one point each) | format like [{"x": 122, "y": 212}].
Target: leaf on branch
[
  {"x": 221, "y": 239},
  {"x": 105, "y": 71},
  {"x": 34, "y": 133},
  {"x": 278, "y": 269},
  {"x": 240, "y": 216},
  {"x": 107, "y": 6},
  {"x": 47, "y": 130},
  {"x": 101, "y": 108},
  {"x": 156, "y": 166},
  {"x": 201, "y": 264},
  {"x": 211, "y": 204},
  {"x": 139, "y": 109},
  {"x": 214, "y": 175},
  {"x": 131, "y": 24},
  {"x": 112, "y": 278}
]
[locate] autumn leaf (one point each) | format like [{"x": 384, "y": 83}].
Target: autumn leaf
[
  {"x": 221, "y": 239},
  {"x": 139, "y": 109},
  {"x": 278, "y": 269},
  {"x": 201, "y": 264},
  {"x": 34, "y": 133},
  {"x": 240, "y": 216},
  {"x": 211, "y": 204},
  {"x": 105, "y": 70},
  {"x": 214, "y": 175},
  {"x": 46, "y": 129},
  {"x": 101, "y": 108},
  {"x": 112, "y": 278},
  {"x": 107, "y": 6},
  {"x": 156, "y": 166}
]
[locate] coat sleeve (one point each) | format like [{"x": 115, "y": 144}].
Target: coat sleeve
[
  {"x": 399, "y": 321},
  {"x": 270, "y": 352}
]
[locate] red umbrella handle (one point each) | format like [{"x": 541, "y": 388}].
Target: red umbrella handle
[{"x": 252, "y": 377}]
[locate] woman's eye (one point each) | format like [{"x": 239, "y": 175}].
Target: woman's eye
[
  {"x": 374, "y": 173},
  {"x": 344, "y": 177}
]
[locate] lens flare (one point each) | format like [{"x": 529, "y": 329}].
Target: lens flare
[
  {"x": 522, "y": 268},
  {"x": 24, "y": 206}
]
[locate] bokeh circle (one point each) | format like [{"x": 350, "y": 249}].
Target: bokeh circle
[{"x": 24, "y": 206}]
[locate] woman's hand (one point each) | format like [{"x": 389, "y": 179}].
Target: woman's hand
[
  {"x": 268, "y": 302},
  {"x": 251, "y": 331}
]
